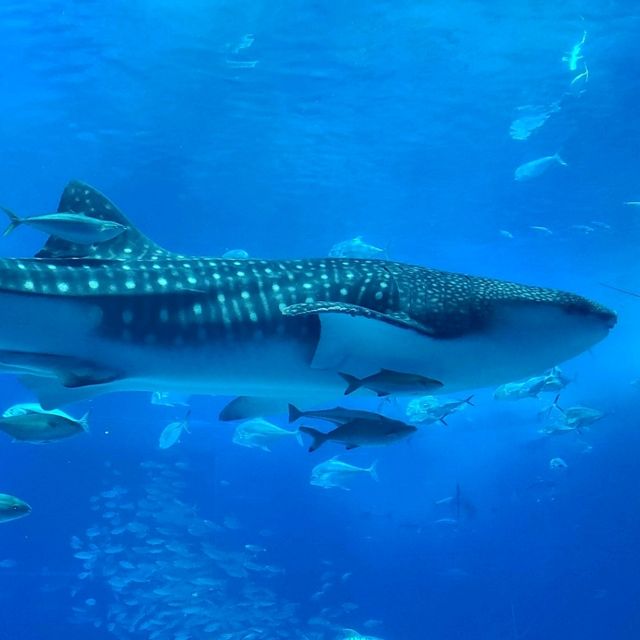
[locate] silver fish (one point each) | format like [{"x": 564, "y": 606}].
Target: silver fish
[
  {"x": 258, "y": 433},
  {"x": 428, "y": 409},
  {"x": 70, "y": 226},
  {"x": 236, "y": 254},
  {"x": 12, "y": 508},
  {"x": 333, "y": 473},
  {"x": 530, "y": 388},
  {"x": 355, "y": 248},
  {"x": 31, "y": 423},
  {"x": 536, "y": 168},
  {"x": 172, "y": 432}
]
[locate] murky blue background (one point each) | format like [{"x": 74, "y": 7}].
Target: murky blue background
[{"x": 384, "y": 119}]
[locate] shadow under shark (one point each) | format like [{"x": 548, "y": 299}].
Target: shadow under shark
[{"x": 78, "y": 320}]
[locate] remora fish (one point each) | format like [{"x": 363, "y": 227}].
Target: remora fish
[
  {"x": 73, "y": 227},
  {"x": 337, "y": 415},
  {"x": 362, "y": 432},
  {"x": 386, "y": 382},
  {"x": 12, "y": 508},
  {"x": 82, "y": 320}
]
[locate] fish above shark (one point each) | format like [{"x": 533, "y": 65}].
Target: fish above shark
[{"x": 79, "y": 320}]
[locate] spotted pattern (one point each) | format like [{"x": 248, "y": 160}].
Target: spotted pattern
[
  {"x": 198, "y": 299},
  {"x": 79, "y": 197},
  {"x": 146, "y": 294}
]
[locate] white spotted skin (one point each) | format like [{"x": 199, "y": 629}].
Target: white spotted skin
[{"x": 215, "y": 326}]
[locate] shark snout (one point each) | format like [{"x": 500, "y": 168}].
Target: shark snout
[{"x": 578, "y": 305}]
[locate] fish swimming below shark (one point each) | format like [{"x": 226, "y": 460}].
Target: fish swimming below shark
[{"x": 79, "y": 320}]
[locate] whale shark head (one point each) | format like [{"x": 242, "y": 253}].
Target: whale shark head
[
  {"x": 476, "y": 332},
  {"x": 539, "y": 326}
]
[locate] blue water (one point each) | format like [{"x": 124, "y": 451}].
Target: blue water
[{"x": 283, "y": 128}]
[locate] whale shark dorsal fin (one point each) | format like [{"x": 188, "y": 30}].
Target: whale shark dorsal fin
[{"x": 132, "y": 244}]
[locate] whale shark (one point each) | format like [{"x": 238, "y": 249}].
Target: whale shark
[{"x": 81, "y": 320}]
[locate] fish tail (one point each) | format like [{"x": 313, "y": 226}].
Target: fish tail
[
  {"x": 84, "y": 421},
  {"x": 318, "y": 438},
  {"x": 353, "y": 383},
  {"x": 294, "y": 413},
  {"x": 556, "y": 405},
  {"x": 373, "y": 470},
  {"x": 185, "y": 422},
  {"x": 468, "y": 401},
  {"x": 560, "y": 160},
  {"x": 299, "y": 437},
  {"x": 14, "y": 221}
]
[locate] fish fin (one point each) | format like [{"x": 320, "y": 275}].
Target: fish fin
[
  {"x": 555, "y": 405},
  {"x": 185, "y": 420},
  {"x": 353, "y": 383},
  {"x": 84, "y": 422},
  {"x": 294, "y": 413},
  {"x": 73, "y": 379},
  {"x": 244, "y": 407},
  {"x": 383, "y": 394},
  {"x": 348, "y": 447},
  {"x": 299, "y": 438},
  {"x": 16, "y": 410},
  {"x": 52, "y": 394},
  {"x": 82, "y": 199},
  {"x": 14, "y": 221},
  {"x": 373, "y": 470},
  {"x": 69, "y": 371},
  {"x": 433, "y": 381},
  {"x": 560, "y": 160},
  {"x": 345, "y": 341},
  {"x": 318, "y": 438},
  {"x": 398, "y": 319}
]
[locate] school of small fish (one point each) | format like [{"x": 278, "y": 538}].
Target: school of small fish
[{"x": 150, "y": 566}]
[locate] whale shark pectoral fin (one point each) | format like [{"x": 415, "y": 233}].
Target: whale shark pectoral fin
[
  {"x": 89, "y": 377},
  {"x": 346, "y": 339},
  {"x": 69, "y": 371},
  {"x": 398, "y": 318},
  {"x": 51, "y": 393}
]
